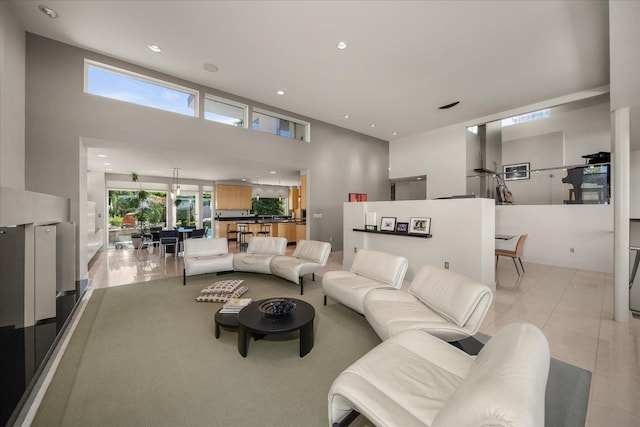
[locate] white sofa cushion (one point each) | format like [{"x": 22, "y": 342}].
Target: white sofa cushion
[
  {"x": 380, "y": 266},
  {"x": 451, "y": 295},
  {"x": 349, "y": 288},
  {"x": 415, "y": 379},
  {"x": 391, "y": 311},
  {"x": 260, "y": 252},
  {"x": 208, "y": 255},
  {"x": 312, "y": 250},
  {"x": 309, "y": 256},
  {"x": 267, "y": 245},
  {"x": 205, "y": 247},
  {"x": 506, "y": 383},
  {"x": 370, "y": 270}
]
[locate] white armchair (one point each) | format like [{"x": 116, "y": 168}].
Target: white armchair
[
  {"x": 260, "y": 252},
  {"x": 308, "y": 257},
  {"x": 440, "y": 302},
  {"x": 416, "y": 379},
  {"x": 370, "y": 270},
  {"x": 209, "y": 255}
]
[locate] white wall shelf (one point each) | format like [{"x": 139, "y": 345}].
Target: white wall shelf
[{"x": 394, "y": 233}]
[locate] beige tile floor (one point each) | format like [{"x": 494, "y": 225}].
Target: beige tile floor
[{"x": 574, "y": 308}]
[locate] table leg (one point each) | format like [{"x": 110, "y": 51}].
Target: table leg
[
  {"x": 306, "y": 338},
  {"x": 217, "y": 330},
  {"x": 243, "y": 340}
]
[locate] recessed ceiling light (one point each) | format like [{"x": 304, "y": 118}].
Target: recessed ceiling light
[
  {"x": 272, "y": 172},
  {"x": 107, "y": 164},
  {"x": 418, "y": 178},
  {"x": 372, "y": 125},
  {"x": 48, "y": 11},
  {"x": 280, "y": 92},
  {"x": 102, "y": 155},
  {"x": 108, "y": 169},
  {"x": 341, "y": 45},
  {"x": 155, "y": 48},
  {"x": 211, "y": 67},
  {"x": 346, "y": 116},
  {"x": 244, "y": 179},
  {"x": 446, "y": 107},
  {"x": 394, "y": 133}
]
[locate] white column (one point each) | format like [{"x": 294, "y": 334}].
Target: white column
[{"x": 621, "y": 155}]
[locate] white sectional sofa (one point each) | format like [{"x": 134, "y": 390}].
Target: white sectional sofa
[
  {"x": 416, "y": 379},
  {"x": 370, "y": 270},
  {"x": 260, "y": 252},
  {"x": 264, "y": 255},
  {"x": 443, "y": 303}
]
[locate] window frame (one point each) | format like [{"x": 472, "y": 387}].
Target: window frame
[
  {"x": 144, "y": 78},
  {"x": 307, "y": 125},
  {"x": 245, "y": 107}
]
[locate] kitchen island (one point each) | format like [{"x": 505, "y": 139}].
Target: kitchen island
[{"x": 281, "y": 226}]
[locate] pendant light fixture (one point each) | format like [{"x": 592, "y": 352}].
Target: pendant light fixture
[
  {"x": 279, "y": 191},
  {"x": 175, "y": 184}
]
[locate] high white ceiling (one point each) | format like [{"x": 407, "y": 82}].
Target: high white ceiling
[{"x": 404, "y": 58}]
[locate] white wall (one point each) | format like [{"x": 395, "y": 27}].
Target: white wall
[
  {"x": 440, "y": 154},
  {"x": 586, "y": 130},
  {"x": 60, "y": 117},
  {"x": 554, "y": 229},
  {"x": 462, "y": 229},
  {"x": 12, "y": 100},
  {"x": 540, "y": 151},
  {"x": 96, "y": 192}
]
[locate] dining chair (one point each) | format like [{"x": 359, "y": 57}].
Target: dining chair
[
  {"x": 198, "y": 233},
  {"x": 515, "y": 254},
  {"x": 169, "y": 240}
]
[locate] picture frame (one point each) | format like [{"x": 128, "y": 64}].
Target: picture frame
[
  {"x": 357, "y": 197},
  {"x": 516, "y": 171},
  {"x": 388, "y": 223},
  {"x": 419, "y": 225},
  {"x": 402, "y": 227}
]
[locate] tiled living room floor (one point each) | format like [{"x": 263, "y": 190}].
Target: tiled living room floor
[{"x": 574, "y": 308}]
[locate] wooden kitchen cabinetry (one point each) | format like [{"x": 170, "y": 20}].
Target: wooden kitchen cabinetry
[
  {"x": 303, "y": 192},
  {"x": 301, "y": 232},
  {"x": 233, "y": 197},
  {"x": 284, "y": 229},
  {"x": 294, "y": 203}
]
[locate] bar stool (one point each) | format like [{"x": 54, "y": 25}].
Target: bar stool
[
  {"x": 243, "y": 232},
  {"x": 265, "y": 230}
]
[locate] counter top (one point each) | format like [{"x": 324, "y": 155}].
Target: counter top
[{"x": 270, "y": 221}]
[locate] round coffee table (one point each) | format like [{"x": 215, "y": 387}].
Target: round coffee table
[
  {"x": 227, "y": 320},
  {"x": 252, "y": 322}
]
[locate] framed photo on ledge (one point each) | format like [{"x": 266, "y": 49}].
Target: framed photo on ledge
[
  {"x": 516, "y": 171},
  {"x": 420, "y": 225},
  {"x": 402, "y": 227},
  {"x": 388, "y": 223}
]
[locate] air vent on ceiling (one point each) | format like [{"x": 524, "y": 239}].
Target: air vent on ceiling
[{"x": 445, "y": 107}]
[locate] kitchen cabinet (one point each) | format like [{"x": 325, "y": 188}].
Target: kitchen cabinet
[
  {"x": 284, "y": 229},
  {"x": 294, "y": 202},
  {"x": 232, "y": 197},
  {"x": 303, "y": 192},
  {"x": 301, "y": 232}
]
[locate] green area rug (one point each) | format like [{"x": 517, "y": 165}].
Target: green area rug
[{"x": 145, "y": 354}]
